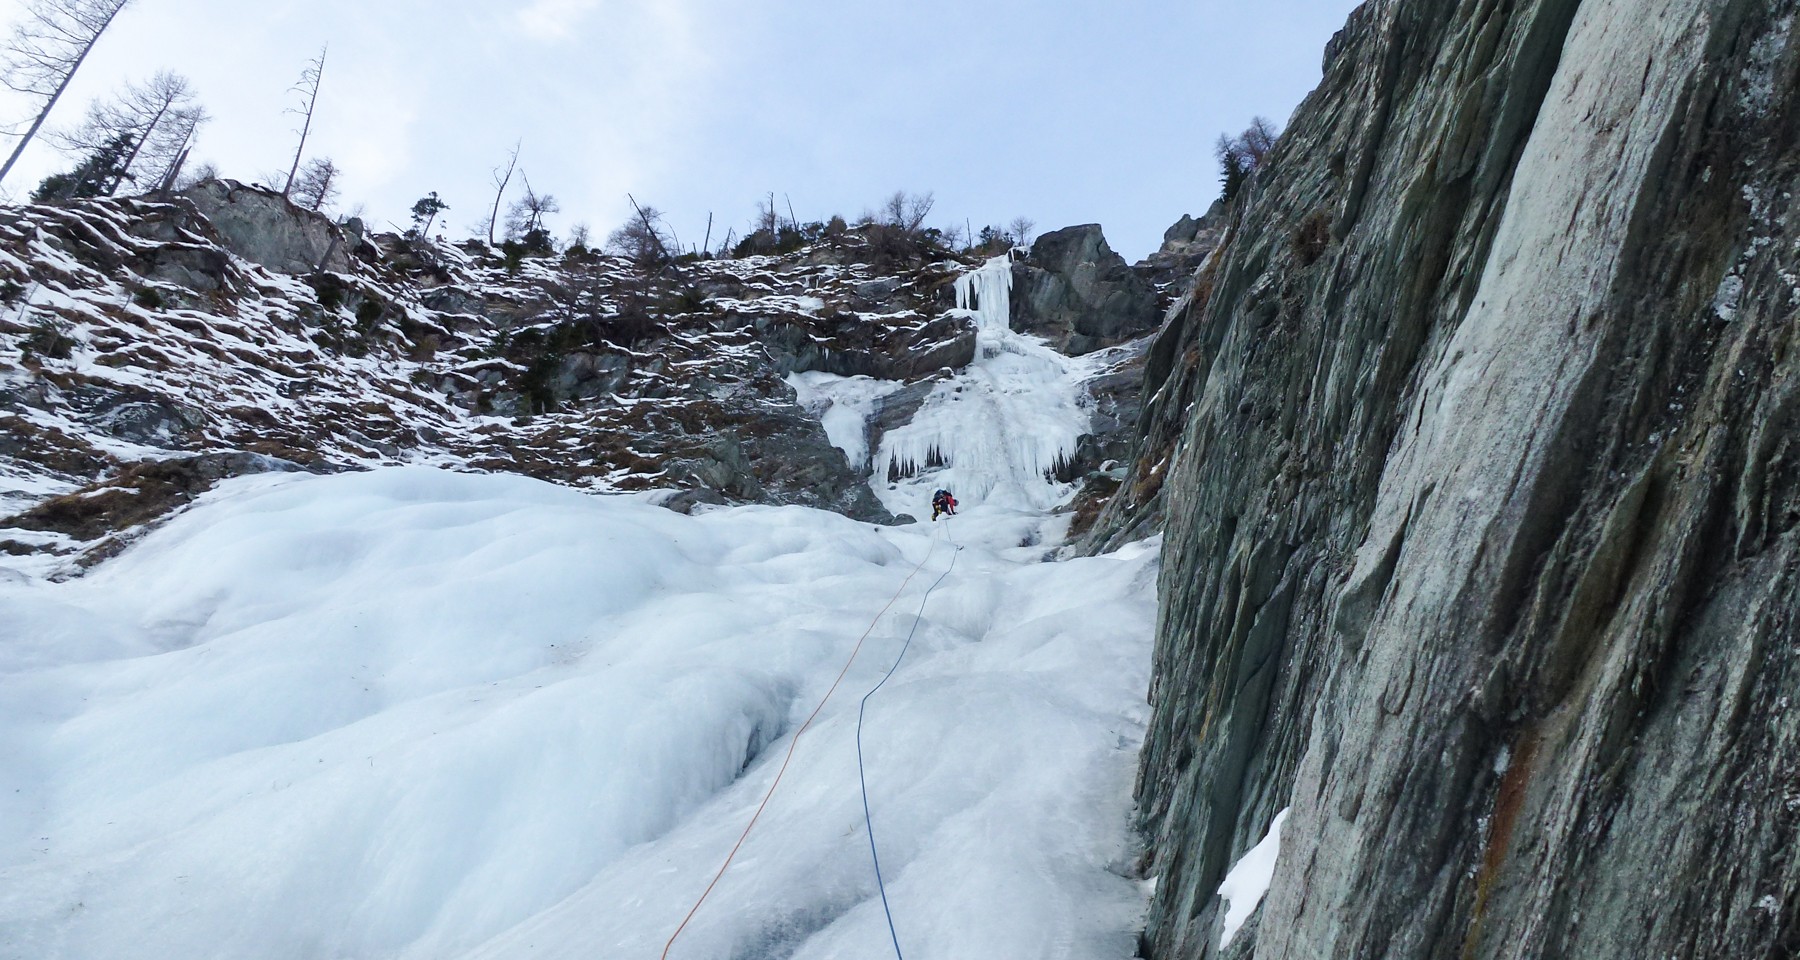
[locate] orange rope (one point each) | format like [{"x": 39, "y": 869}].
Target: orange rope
[{"x": 791, "y": 747}]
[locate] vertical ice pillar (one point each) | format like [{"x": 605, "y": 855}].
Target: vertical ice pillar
[{"x": 986, "y": 292}]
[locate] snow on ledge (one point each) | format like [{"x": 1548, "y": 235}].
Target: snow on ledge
[{"x": 1244, "y": 886}]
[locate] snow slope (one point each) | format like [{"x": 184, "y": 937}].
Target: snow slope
[{"x": 410, "y": 713}]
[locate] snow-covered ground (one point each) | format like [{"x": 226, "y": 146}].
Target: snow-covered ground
[
  {"x": 414, "y": 713},
  {"x": 424, "y": 714}
]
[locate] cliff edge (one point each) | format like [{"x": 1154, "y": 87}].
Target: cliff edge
[{"x": 1479, "y": 444}]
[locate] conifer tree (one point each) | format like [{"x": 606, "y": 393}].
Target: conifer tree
[
  {"x": 97, "y": 176},
  {"x": 425, "y": 212}
]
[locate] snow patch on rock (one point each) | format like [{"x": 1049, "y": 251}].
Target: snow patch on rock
[{"x": 1244, "y": 886}]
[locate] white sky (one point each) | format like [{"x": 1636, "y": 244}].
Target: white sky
[{"x": 1063, "y": 111}]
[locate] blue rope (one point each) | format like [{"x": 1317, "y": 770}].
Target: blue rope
[{"x": 868, "y": 822}]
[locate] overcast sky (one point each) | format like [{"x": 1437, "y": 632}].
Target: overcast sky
[{"x": 1064, "y": 111}]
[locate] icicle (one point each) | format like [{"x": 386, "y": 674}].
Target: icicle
[{"x": 986, "y": 294}]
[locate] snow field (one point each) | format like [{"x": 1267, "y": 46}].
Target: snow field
[{"x": 410, "y": 713}]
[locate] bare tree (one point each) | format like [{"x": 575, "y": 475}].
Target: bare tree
[
  {"x": 173, "y": 173},
  {"x": 1250, "y": 148},
  {"x": 501, "y": 179},
  {"x": 767, "y": 219},
  {"x": 160, "y": 116},
  {"x": 308, "y": 89},
  {"x": 893, "y": 209},
  {"x": 50, "y": 40},
  {"x": 525, "y": 218},
  {"x": 645, "y": 238},
  {"x": 1241, "y": 156},
  {"x": 316, "y": 184},
  {"x": 907, "y": 211},
  {"x": 1257, "y": 140},
  {"x": 580, "y": 236},
  {"x": 165, "y": 164},
  {"x": 1020, "y": 228}
]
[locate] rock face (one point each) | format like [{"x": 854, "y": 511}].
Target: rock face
[
  {"x": 841, "y": 345},
  {"x": 262, "y": 227},
  {"x": 1185, "y": 246},
  {"x": 1074, "y": 291},
  {"x": 1479, "y": 442}
]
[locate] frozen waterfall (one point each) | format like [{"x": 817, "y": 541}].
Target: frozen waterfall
[{"x": 995, "y": 433}]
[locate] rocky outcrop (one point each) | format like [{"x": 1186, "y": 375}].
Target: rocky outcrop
[
  {"x": 1477, "y": 446},
  {"x": 1185, "y": 246},
  {"x": 264, "y": 228},
  {"x": 849, "y": 347},
  {"x": 779, "y": 456},
  {"x": 1074, "y": 291},
  {"x": 135, "y": 331},
  {"x": 1102, "y": 457}
]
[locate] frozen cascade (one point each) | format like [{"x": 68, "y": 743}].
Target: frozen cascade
[
  {"x": 844, "y": 405},
  {"x": 986, "y": 294},
  {"x": 996, "y": 433}
]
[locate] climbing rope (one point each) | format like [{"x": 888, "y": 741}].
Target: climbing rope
[
  {"x": 861, "y": 777},
  {"x": 791, "y": 747}
]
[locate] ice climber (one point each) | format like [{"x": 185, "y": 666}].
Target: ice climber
[{"x": 942, "y": 503}]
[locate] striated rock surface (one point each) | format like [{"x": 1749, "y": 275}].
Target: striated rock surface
[
  {"x": 1075, "y": 292},
  {"x": 264, "y": 228},
  {"x": 1479, "y": 444}
]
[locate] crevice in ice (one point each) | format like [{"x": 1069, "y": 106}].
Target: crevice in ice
[
  {"x": 763, "y": 733},
  {"x": 783, "y": 936}
]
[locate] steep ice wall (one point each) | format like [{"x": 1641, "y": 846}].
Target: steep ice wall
[
  {"x": 997, "y": 432},
  {"x": 1477, "y": 444}
]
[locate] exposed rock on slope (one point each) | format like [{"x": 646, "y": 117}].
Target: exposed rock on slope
[
  {"x": 1185, "y": 246},
  {"x": 1074, "y": 291},
  {"x": 267, "y": 230},
  {"x": 134, "y": 332},
  {"x": 1477, "y": 440}
]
